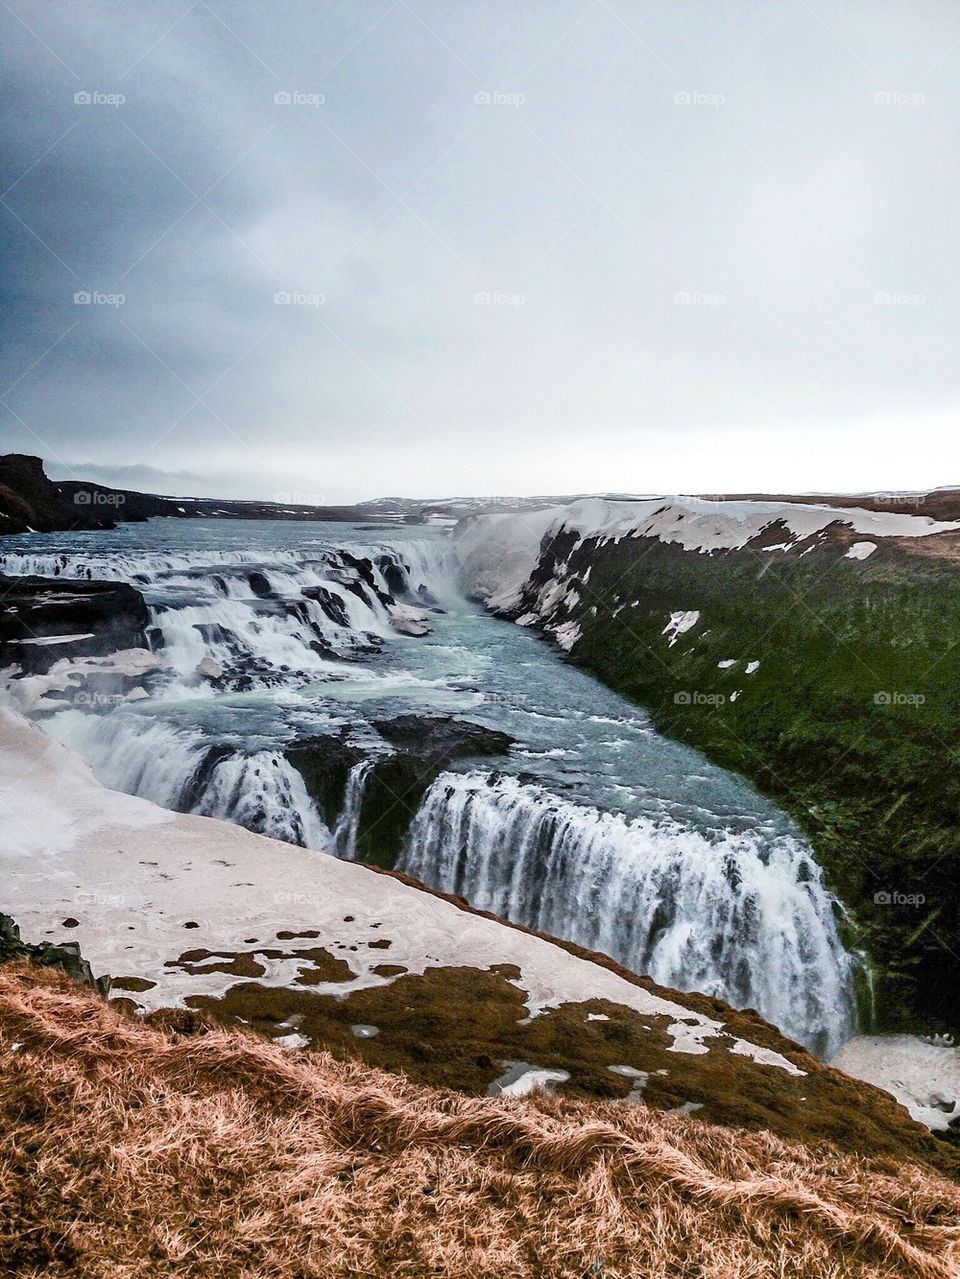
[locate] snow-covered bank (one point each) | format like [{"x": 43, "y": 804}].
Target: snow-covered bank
[
  {"x": 922, "y": 1074},
  {"x": 703, "y": 525},
  {"x": 144, "y": 885},
  {"x": 498, "y": 553}
]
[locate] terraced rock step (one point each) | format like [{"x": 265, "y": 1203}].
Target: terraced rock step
[{"x": 394, "y": 784}]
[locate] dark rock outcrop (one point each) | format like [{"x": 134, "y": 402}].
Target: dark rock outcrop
[
  {"x": 108, "y": 615},
  {"x": 324, "y": 764},
  {"x": 63, "y": 955},
  {"x": 29, "y": 500},
  {"x": 423, "y": 748},
  {"x": 441, "y": 738}
]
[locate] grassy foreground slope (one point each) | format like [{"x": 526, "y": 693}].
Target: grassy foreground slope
[
  {"x": 132, "y": 1148},
  {"x": 849, "y": 714}
]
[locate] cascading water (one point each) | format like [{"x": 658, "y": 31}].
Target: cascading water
[
  {"x": 180, "y": 769},
  {"x": 345, "y": 834},
  {"x": 264, "y": 793},
  {"x": 259, "y": 620},
  {"x": 272, "y": 635},
  {"x": 728, "y": 916}
]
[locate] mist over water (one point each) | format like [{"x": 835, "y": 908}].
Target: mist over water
[{"x": 593, "y": 827}]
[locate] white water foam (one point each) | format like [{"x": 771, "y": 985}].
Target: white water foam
[
  {"x": 751, "y": 923},
  {"x": 260, "y": 620},
  {"x": 140, "y": 755}
]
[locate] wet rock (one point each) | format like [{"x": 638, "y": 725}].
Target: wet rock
[
  {"x": 437, "y": 736},
  {"x": 260, "y": 585},
  {"x": 195, "y": 788},
  {"x": 210, "y": 668},
  {"x": 45, "y": 619},
  {"x": 364, "y": 569},
  {"x": 331, "y": 604},
  {"x": 324, "y": 764},
  {"x": 393, "y": 576},
  {"x": 423, "y": 746},
  {"x": 408, "y": 622}
]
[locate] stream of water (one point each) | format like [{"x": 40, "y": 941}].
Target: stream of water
[{"x": 594, "y": 827}]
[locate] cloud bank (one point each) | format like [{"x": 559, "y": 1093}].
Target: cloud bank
[{"x": 412, "y": 248}]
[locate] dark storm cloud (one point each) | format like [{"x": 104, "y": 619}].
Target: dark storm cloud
[{"x": 410, "y": 247}]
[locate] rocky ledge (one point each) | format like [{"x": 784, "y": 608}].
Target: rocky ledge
[
  {"x": 62, "y": 955},
  {"x": 420, "y": 748},
  {"x": 45, "y": 619}
]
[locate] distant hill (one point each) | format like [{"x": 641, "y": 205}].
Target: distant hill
[{"x": 31, "y": 501}]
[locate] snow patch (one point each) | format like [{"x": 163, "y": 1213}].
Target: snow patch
[
  {"x": 679, "y": 624},
  {"x": 567, "y": 635},
  {"x": 860, "y": 550},
  {"x": 54, "y": 639},
  {"x": 922, "y": 1074}
]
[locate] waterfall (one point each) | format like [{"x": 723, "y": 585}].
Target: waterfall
[
  {"x": 134, "y": 753},
  {"x": 264, "y": 793},
  {"x": 717, "y": 912},
  {"x": 261, "y": 620},
  {"x": 345, "y": 834},
  {"x": 180, "y": 769},
  {"x": 728, "y": 907}
]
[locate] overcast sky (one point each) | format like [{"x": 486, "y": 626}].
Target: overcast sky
[{"x": 571, "y": 245}]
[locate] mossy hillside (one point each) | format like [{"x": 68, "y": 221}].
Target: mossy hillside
[
  {"x": 423, "y": 1032},
  {"x": 851, "y": 722}
]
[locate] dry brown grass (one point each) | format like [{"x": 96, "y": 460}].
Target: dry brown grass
[{"x": 132, "y": 1149}]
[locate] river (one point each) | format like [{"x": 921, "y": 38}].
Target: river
[{"x": 594, "y": 827}]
